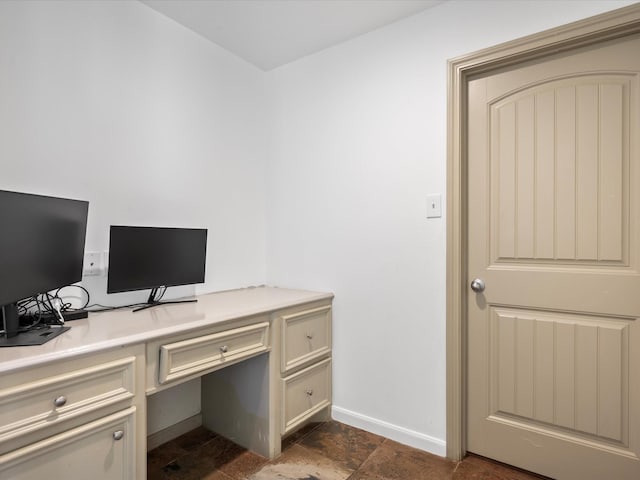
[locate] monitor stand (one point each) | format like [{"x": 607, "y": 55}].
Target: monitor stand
[
  {"x": 36, "y": 336},
  {"x": 14, "y": 338},
  {"x": 152, "y": 302}
]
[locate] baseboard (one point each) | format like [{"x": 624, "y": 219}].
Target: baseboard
[
  {"x": 393, "y": 432},
  {"x": 174, "y": 431}
]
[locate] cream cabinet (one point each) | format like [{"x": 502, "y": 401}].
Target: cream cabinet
[
  {"x": 74, "y": 419},
  {"x": 269, "y": 397},
  {"x": 76, "y": 407},
  {"x": 305, "y": 365}
]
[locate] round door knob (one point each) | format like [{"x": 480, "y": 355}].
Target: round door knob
[
  {"x": 117, "y": 435},
  {"x": 309, "y": 336},
  {"x": 477, "y": 285},
  {"x": 309, "y": 392},
  {"x": 60, "y": 401},
  {"x": 224, "y": 349}
]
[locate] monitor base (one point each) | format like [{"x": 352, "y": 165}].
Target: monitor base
[
  {"x": 37, "y": 336},
  {"x": 168, "y": 302}
]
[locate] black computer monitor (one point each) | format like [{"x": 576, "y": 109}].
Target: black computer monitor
[
  {"x": 41, "y": 248},
  {"x": 142, "y": 258}
]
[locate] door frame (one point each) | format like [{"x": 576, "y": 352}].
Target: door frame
[{"x": 614, "y": 24}]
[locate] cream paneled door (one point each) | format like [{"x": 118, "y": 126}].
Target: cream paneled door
[{"x": 554, "y": 233}]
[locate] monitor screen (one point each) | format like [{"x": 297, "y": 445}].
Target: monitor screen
[
  {"x": 41, "y": 244},
  {"x": 150, "y": 257}
]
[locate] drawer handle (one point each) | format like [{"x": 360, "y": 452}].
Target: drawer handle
[
  {"x": 118, "y": 434},
  {"x": 309, "y": 336},
  {"x": 309, "y": 392},
  {"x": 60, "y": 401},
  {"x": 224, "y": 349}
]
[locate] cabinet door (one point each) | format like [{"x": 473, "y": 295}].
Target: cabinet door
[{"x": 100, "y": 450}]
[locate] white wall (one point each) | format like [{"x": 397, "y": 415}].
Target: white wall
[
  {"x": 112, "y": 102},
  {"x": 358, "y": 141}
]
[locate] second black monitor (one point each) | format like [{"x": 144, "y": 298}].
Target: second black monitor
[{"x": 143, "y": 258}]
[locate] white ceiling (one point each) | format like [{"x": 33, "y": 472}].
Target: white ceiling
[{"x": 270, "y": 33}]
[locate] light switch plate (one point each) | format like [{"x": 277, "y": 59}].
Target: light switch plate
[{"x": 434, "y": 206}]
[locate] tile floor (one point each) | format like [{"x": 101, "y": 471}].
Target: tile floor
[{"x": 325, "y": 451}]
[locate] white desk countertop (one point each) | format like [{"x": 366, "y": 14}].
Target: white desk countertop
[{"x": 105, "y": 330}]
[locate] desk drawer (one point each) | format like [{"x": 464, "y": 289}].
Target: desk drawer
[
  {"x": 304, "y": 394},
  {"x": 50, "y": 400},
  {"x": 101, "y": 449},
  {"x": 198, "y": 354},
  {"x": 306, "y": 336}
]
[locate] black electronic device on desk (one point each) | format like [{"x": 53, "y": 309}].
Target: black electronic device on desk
[
  {"x": 155, "y": 258},
  {"x": 41, "y": 248}
]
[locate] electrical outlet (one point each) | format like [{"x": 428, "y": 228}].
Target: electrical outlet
[{"x": 93, "y": 263}]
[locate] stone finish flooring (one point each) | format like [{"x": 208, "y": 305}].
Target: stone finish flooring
[{"x": 324, "y": 451}]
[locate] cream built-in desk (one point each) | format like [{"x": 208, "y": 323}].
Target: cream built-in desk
[{"x": 75, "y": 407}]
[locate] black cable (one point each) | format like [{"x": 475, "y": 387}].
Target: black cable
[
  {"x": 67, "y": 306},
  {"x": 25, "y": 306},
  {"x": 47, "y": 298},
  {"x": 43, "y": 305},
  {"x": 35, "y": 308}
]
